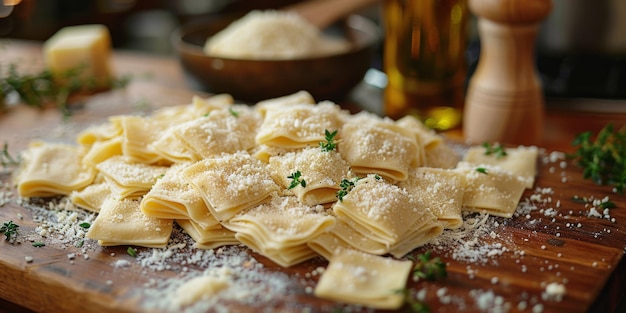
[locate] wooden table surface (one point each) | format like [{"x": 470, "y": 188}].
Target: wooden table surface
[{"x": 159, "y": 81}]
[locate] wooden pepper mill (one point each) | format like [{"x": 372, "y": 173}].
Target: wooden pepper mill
[{"x": 504, "y": 100}]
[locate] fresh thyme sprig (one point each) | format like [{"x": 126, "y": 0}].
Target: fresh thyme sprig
[
  {"x": 329, "y": 144},
  {"x": 6, "y": 159},
  {"x": 9, "y": 229},
  {"x": 602, "y": 159},
  {"x": 41, "y": 88},
  {"x": 296, "y": 179},
  {"x": 414, "y": 305},
  {"x": 605, "y": 204},
  {"x": 495, "y": 149},
  {"x": 346, "y": 186},
  {"x": 429, "y": 268}
]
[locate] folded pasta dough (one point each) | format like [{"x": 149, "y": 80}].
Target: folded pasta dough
[
  {"x": 299, "y": 97},
  {"x": 491, "y": 189},
  {"x": 263, "y": 153},
  {"x": 372, "y": 145},
  {"x": 102, "y": 150},
  {"x": 438, "y": 190},
  {"x": 199, "y": 106},
  {"x": 221, "y": 131},
  {"x": 101, "y": 132},
  {"x": 422, "y": 231},
  {"x": 327, "y": 244},
  {"x": 128, "y": 179},
  {"x": 520, "y": 161},
  {"x": 434, "y": 152},
  {"x": 208, "y": 238},
  {"x": 121, "y": 222},
  {"x": 428, "y": 137},
  {"x": 91, "y": 197},
  {"x": 441, "y": 155},
  {"x": 285, "y": 257},
  {"x": 299, "y": 125},
  {"x": 172, "y": 149},
  {"x": 138, "y": 133},
  {"x": 364, "y": 279},
  {"x": 322, "y": 171},
  {"x": 231, "y": 183},
  {"x": 172, "y": 197},
  {"x": 345, "y": 230},
  {"x": 282, "y": 222},
  {"x": 380, "y": 210},
  {"x": 425, "y": 229},
  {"x": 49, "y": 169},
  {"x": 281, "y": 229},
  {"x": 424, "y": 137}
]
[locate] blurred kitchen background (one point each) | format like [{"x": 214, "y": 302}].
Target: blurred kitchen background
[{"x": 581, "y": 48}]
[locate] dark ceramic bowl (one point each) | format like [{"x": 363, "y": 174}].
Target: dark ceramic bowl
[{"x": 328, "y": 77}]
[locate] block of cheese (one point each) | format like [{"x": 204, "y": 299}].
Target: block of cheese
[{"x": 84, "y": 48}]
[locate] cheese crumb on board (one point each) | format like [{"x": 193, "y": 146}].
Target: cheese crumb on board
[{"x": 554, "y": 291}]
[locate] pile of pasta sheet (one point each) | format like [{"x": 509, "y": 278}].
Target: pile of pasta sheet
[{"x": 289, "y": 178}]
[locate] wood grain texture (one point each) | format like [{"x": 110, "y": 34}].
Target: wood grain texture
[{"x": 587, "y": 259}]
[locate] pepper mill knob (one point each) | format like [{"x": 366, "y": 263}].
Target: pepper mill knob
[{"x": 504, "y": 100}]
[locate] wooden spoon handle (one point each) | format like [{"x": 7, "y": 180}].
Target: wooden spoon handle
[{"x": 323, "y": 13}]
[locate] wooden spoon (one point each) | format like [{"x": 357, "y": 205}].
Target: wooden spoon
[{"x": 323, "y": 13}]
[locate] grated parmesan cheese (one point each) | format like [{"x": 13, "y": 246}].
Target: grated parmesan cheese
[{"x": 271, "y": 35}]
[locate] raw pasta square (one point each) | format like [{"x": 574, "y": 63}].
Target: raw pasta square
[
  {"x": 322, "y": 171},
  {"x": 374, "y": 146},
  {"x": 281, "y": 228},
  {"x": 438, "y": 190},
  {"x": 52, "y": 169},
  {"x": 520, "y": 161},
  {"x": 121, "y": 222},
  {"x": 491, "y": 189},
  {"x": 298, "y": 125},
  {"x": 360, "y": 278},
  {"x": 231, "y": 183}
]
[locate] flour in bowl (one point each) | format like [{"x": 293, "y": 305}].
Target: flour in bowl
[{"x": 272, "y": 34}]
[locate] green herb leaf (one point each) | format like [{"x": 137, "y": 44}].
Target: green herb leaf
[
  {"x": 296, "y": 178},
  {"x": 41, "y": 88},
  {"x": 429, "y": 268},
  {"x": 329, "y": 144},
  {"x": 6, "y": 159},
  {"x": 9, "y": 229},
  {"x": 84, "y": 225},
  {"x": 132, "y": 252},
  {"x": 38, "y": 244},
  {"x": 346, "y": 186},
  {"x": 79, "y": 244},
  {"x": 497, "y": 150},
  {"x": 414, "y": 305},
  {"x": 602, "y": 159},
  {"x": 233, "y": 112},
  {"x": 607, "y": 205},
  {"x": 482, "y": 170}
]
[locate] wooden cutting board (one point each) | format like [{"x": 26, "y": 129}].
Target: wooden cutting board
[{"x": 505, "y": 265}]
